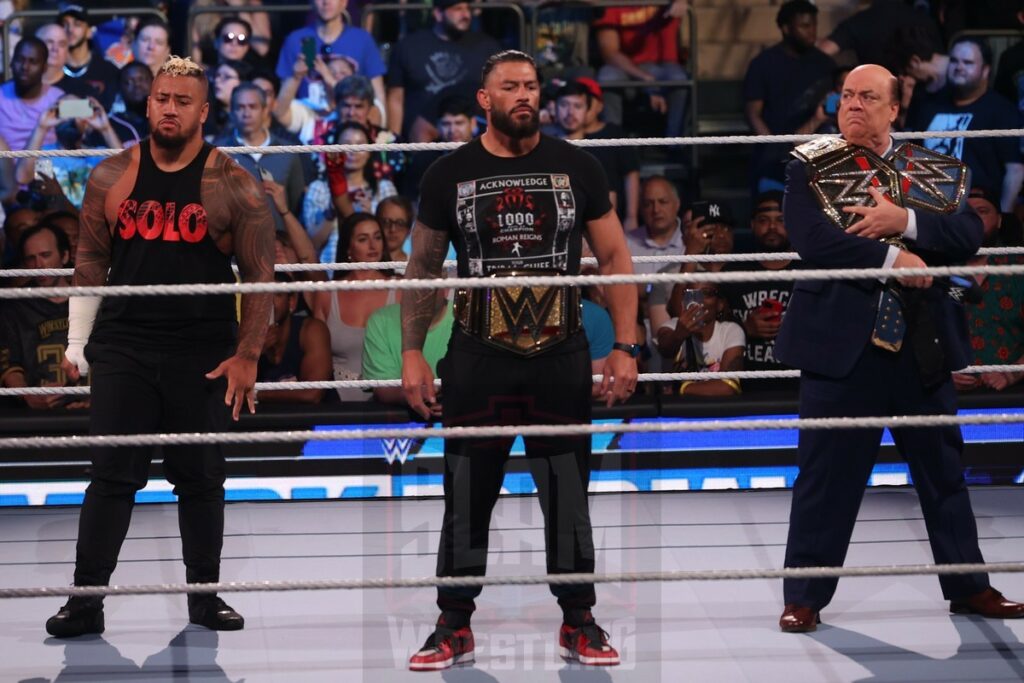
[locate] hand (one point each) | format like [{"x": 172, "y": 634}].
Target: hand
[
  {"x": 677, "y": 10},
  {"x": 997, "y": 380},
  {"x": 74, "y": 364},
  {"x": 241, "y": 375},
  {"x": 300, "y": 69},
  {"x": 882, "y": 220},
  {"x": 48, "y": 186},
  {"x": 320, "y": 66},
  {"x": 659, "y": 103},
  {"x": 337, "y": 181},
  {"x": 691, "y": 320},
  {"x": 99, "y": 120},
  {"x": 418, "y": 384},
  {"x": 49, "y": 119},
  {"x": 964, "y": 381},
  {"x": 619, "y": 377},
  {"x": 762, "y": 323},
  {"x": 695, "y": 240},
  {"x": 905, "y": 259},
  {"x": 47, "y": 402},
  {"x": 277, "y": 195}
]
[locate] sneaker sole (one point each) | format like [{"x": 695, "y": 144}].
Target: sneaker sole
[
  {"x": 589, "y": 661},
  {"x": 467, "y": 658}
]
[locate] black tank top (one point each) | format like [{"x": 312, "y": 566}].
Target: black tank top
[
  {"x": 288, "y": 369},
  {"x": 162, "y": 237}
]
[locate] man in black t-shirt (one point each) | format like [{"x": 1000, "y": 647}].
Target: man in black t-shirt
[
  {"x": 515, "y": 202},
  {"x": 871, "y": 32},
  {"x": 434, "y": 59},
  {"x": 759, "y": 306},
  {"x": 96, "y": 75},
  {"x": 968, "y": 104},
  {"x": 784, "y": 89}
]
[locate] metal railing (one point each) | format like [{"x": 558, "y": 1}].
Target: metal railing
[
  {"x": 232, "y": 10},
  {"x": 55, "y": 13}
]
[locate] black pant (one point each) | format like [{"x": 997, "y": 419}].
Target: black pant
[
  {"x": 835, "y": 466},
  {"x": 483, "y": 388},
  {"x": 143, "y": 391}
]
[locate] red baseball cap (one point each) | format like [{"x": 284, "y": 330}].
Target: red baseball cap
[{"x": 591, "y": 85}]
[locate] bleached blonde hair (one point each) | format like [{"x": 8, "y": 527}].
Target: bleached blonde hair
[{"x": 182, "y": 66}]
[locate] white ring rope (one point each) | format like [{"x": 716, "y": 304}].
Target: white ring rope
[
  {"x": 508, "y": 431},
  {"x": 489, "y": 282},
  {"x": 381, "y": 383},
  {"x": 443, "y": 146},
  {"x": 542, "y": 579},
  {"x": 586, "y": 261}
]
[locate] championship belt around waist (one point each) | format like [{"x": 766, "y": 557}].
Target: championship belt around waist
[
  {"x": 914, "y": 177},
  {"x": 523, "y": 320}
]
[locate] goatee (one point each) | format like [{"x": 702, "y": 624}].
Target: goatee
[
  {"x": 169, "y": 142},
  {"x": 513, "y": 128}
]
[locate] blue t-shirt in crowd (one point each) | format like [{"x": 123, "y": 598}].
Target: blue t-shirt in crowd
[
  {"x": 353, "y": 42},
  {"x": 986, "y": 157},
  {"x": 597, "y": 325}
]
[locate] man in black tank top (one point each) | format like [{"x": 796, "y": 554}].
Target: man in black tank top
[
  {"x": 515, "y": 202},
  {"x": 171, "y": 210}
]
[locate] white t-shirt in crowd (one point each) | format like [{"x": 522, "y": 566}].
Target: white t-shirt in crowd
[{"x": 726, "y": 335}]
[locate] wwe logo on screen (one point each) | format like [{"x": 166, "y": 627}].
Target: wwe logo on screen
[{"x": 396, "y": 448}]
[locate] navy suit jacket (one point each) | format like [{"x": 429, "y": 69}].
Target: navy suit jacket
[{"x": 828, "y": 323}]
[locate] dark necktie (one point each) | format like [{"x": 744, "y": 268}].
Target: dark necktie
[{"x": 890, "y": 323}]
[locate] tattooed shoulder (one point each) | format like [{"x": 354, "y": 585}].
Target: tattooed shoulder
[{"x": 230, "y": 194}]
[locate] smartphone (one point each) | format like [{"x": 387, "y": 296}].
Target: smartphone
[
  {"x": 309, "y": 51},
  {"x": 693, "y": 297},
  {"x": 74, "y": 108},
  {"x": 44, "y": 167},
  {"x": 832, "y": 104},
  {"x": 772, "y": 308},
  {"x": 266, "y": 175}
]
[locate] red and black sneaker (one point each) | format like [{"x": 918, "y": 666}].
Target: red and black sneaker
[
  {"x": 587, "y": 644},
  {"x": 444, "y": 648}
]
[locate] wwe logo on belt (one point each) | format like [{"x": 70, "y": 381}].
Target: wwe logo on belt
[{"x": 522, "y": 311}]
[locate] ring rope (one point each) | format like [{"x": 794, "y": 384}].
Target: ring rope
[
  {"x": 491, "y": 282},
  {"x": 586, "y": 261},
  {"x": 380, "y": 383},
  {"x": 542, "y": 579},
  {"x": 444, "y": 146},
  {"x": 508, "y": 431}
]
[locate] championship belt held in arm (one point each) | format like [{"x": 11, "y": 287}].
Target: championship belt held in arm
[{"x": 914, "y": 177}]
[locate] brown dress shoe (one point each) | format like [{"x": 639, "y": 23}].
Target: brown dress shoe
[
  {"x": 797, "y": 619},
  {"x": 988, "y": 603}
]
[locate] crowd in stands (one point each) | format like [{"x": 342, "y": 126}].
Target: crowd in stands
[{"x": 80, "y": 81}]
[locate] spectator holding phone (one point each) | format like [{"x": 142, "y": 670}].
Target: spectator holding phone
[
  {"x": 698, "y": 339},
  {"x": 72, "y": 119},
  {"x": 25, "y": 97},
  {"x": 759, "y": 306},
  {"x": 98, "y": 76},
  {"x": 784, "y": 90}
]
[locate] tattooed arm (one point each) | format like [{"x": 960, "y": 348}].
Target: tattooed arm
[
  {"x": 243, "y": 208},
  {"x": 429, "y": 248},
  {"x": 92, "y": 260}
]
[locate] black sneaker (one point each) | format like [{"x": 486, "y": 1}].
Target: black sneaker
[
  {"x": 213, "y": 613},
  {"x": 77, "y": 617}
]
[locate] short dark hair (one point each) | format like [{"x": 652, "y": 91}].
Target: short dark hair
[
  {"x": 232, "y": 20},
  {"x": 152, "y": 21},
  {"x": 269, "y": 76},
  {"x": 983, "y": 48},
  {"x": 769, "y": 196},
  {"x": 915, "y": 40},
  {"x": 243, "y": 69},
  {"x": 503, "y": 57},
  {"x": 456, "y": 105},
  {"x": 354, "y": 86},
  {"x": 33, "y": 41},
  {"x": 793, "y": 9},
  {"x": 575, "y": 88},
  {"x": 61, "y": 237},
  {"x": 248, "y": 86}
]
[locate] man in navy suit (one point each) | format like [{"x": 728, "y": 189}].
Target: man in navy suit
[{"x": 828, "y": 333}]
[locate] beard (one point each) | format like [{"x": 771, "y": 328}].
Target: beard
[
  {"x": 172, "y": 141},
  {"x": 517, "y": 130},
  {"x": 773, "y": 242}
]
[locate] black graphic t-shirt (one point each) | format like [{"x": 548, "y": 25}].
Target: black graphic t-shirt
[
  {"x": 508, "y": 213},
  {"x": 743, "y": 299},
  {"x": 33, "y": 334}
]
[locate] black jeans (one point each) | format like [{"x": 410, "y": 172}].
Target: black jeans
[
  {"x": 482, "y": 387},
  {"x": 144, "y": 391}
]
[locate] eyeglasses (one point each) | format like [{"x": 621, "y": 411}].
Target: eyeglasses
[
  {"x": 231, "y": 37},
  {"x": 397, "y": 223}
]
